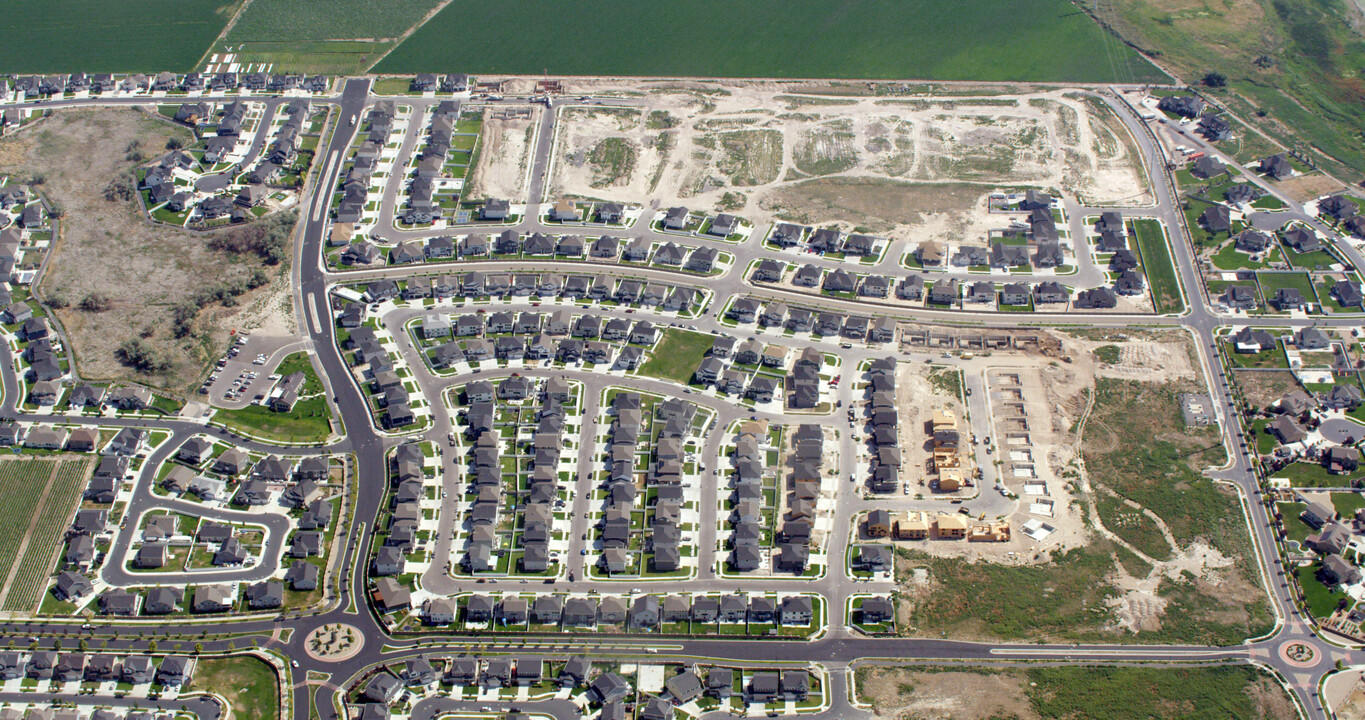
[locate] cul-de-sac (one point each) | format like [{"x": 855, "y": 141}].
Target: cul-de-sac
[{"x": 429, "y": 359}]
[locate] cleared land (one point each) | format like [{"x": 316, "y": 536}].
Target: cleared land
[
  {"x": 40, "y": 497},
  {"x": 145, "y": 270},
  {"x": 910, "y": 166},
  {"x": 109, "y": 35},
  {"x": 1157, "y": 553},
  {"x": 1112, "y": 693},
  {"x": 1029, "y": 40}
]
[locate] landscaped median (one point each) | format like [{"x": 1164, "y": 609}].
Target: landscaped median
[{"x": 1156, "y": 260}]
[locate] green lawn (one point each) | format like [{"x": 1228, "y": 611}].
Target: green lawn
[
  {"x": 1294, "y": 527},
  {"x": 1271, "y": 281},
  {"x": 1308, "y": 475},
  {"x": 1156, "y": 260},
  {"x": 109, "y": 35},
  {"x": 1312, "y": 260},
  {"x": 976, "y": 40},
  {"x": 677, "y": 355},
  {"x": 1322, "y": 600},
  {"x": 309, "y": 422},
  {"x": 1230, "y": 258}
]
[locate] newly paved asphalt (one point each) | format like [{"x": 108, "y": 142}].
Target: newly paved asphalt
[{"x": 838, "y": 649}]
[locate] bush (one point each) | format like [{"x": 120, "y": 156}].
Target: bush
[
  {"x": 97, "y": 302},
  {"x": 268, "y": 239},
  {"x": 175, "y": 143},
  {"x": 122, "y": 187},
  {"x": 1215, "y": 80},
  {"x": 141, "y": 356}
]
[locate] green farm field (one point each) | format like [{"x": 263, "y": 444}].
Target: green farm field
[
  {"x": 41, "y": 496},
  {"x": 304, "y": 20},
  {"x": 1040, "y": 40},
  {"x": 109, "y": 35}
]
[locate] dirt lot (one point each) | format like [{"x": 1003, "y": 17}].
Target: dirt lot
[
  {"x": 110, "y": 247},
  {"x": 1265, "y": 387},
  {"x": 908, "y": 693},
  {"x": 500, "y": 171},
  {"x": 888, "y": 164},
  {"x": 1164, "y": 549}
]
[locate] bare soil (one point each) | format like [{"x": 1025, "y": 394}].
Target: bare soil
[
  {"x": 908, "y": 693},
  {"x": 893, "y": 165},
  {"x": 111, "y": 247},
  {"x": 504, "y": 158},
  {"x": 1265, "y": 387}
]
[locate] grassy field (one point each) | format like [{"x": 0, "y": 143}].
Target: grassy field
[
  {"x": 1115, "y": 693},
  {"x": 246, "y": 682},
  {"x": 310, "y": 421},
  {"x": 41, "y": 520},
  {"x": 1156, "y": 259},
  {"x": 1028, "y": 40},
  {"x": 1292, "y": 66},
  {"x": 109, "y": 35},
  {"x": 677, "y": 355}
]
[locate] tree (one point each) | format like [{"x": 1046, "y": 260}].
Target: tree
[
  {"x": 175, "y": 143},
  {"x": 198, "y": 648},
  {"x": 1215, "y": 80},
  {"x": 151, "y": 646}
]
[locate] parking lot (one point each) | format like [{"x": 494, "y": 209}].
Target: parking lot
[{"x": 246, "y": 370}]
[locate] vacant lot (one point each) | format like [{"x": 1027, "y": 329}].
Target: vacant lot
[
  {"x": 1136, "y": 448},
  {"x": 1167, "y": 558},
  {"x": 914, "y": 166},
  {"x": 109, "y": 35},
  {"x": 1120, "y": 693},
  {"x": 1028, "y": 40},
  {"x": 40, "y": 497},
  {"x": 677, "y": 355},
  {"x": 144, "y": 271},
  {"x": 245, "y": 682}
]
